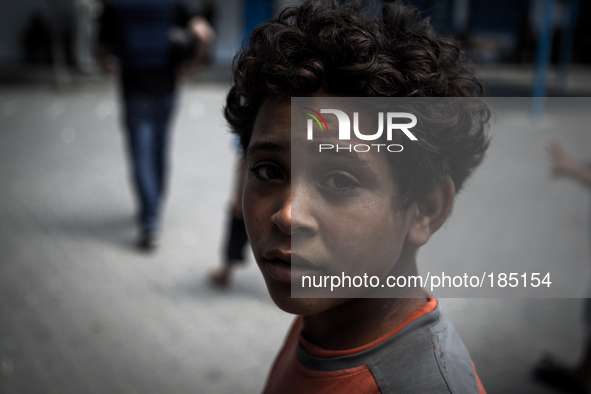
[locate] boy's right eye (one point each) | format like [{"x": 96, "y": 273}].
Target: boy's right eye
[{"x": 267, "y": 172}]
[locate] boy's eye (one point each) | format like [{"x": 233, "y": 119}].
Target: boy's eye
[
  {"x": 340, "y": 182},
  {"x": 267, "y": 172}
]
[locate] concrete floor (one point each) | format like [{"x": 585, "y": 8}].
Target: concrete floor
[{"x": 82, "y": 311}]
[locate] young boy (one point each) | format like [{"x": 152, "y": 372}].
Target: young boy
[{"x": 317, "y": 219}]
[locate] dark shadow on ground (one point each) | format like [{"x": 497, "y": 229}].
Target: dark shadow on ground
[
  {"x": 197, "y": 286},
  {"x": 118, "y": 231}
]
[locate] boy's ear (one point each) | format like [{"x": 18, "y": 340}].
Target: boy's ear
[{"x": 431, "y": 212}]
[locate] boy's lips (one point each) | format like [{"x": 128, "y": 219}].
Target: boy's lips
[
  {"x": 277, "y": 254},
  {"x": 287, "y": 267}
]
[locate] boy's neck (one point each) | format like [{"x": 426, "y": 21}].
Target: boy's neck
[{"x": 359, "y": 321}]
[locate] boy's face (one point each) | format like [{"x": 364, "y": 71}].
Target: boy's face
[{"x": 332, "y": 214}]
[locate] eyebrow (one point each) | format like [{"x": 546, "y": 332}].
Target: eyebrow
[
  {"x": 265, "y": 146},
  {"x": 344, "y": 155}
]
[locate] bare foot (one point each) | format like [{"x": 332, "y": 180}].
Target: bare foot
[{"x": 220, "y": 277}]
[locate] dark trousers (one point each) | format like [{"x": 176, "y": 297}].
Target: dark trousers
[
  {"x": 147, "y": 122},
  {"x": 237, "y": 239}
]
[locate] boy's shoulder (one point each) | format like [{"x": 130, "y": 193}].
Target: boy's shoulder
[{"x": 423, "y": 355}]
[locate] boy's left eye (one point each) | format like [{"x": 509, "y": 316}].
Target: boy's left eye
[
  {"x": 340, "y": 182},
  {"x": 267, "y": 172}
]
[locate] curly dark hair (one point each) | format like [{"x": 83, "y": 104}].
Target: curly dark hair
[{"x": 352, "y": 50}]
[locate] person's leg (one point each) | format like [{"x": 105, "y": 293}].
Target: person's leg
[
  {"x": 237, "y": 241},
  {"x": 236, "y": 236},
  {"x": 583, "y": 370},
  {"x": 575, "y": 379},
  {"x": 163, "y": 115},
  {"x": 141, "y": 140},
  {"x": 233, "y": 252}
]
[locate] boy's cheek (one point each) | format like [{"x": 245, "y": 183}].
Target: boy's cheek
[
  {"x": 357, "y": 250},
  {"x": 251, "y": 215},
  {"x": 257, "y": 214}
]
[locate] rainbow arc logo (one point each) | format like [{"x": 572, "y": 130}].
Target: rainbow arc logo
[{"x": 315, "y": 115}]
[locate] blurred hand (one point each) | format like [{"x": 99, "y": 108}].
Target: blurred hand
[
  {"x": 205, "y": 37},
  {"x": 202, "y": 29},
  {"x": 560, "y": 161},
  {"x": 110, "y": 64}
]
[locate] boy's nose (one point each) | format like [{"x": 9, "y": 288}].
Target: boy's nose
[
  {"x": 282, "y": 218},
  {"x": 297, "y": 220}
]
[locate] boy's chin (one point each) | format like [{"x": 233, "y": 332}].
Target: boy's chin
[{"x": 281, "y": 295}]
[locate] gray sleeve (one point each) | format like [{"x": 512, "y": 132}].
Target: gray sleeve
[{"x": 429, "y": 360}]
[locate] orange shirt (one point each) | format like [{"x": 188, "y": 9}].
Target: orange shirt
[{"x": 422, "y": 355}]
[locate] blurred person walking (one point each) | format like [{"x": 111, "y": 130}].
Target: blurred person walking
[
  {"x": 576, "y": 379},
  {"x": 235, "y": 235},
  {"x": 149, "y": 43}
]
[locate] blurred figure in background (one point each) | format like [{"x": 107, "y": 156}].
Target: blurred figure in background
[
  {"x": 236, "y": 237},
  {"x": 85, "y": 14},
  {"x": 36, "y": 41},
  {"x": 149, "y": 42},
  {"x": 575, "y": 379}
]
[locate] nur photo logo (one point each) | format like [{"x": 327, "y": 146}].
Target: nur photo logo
[{"x": 392, "y": 120}]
